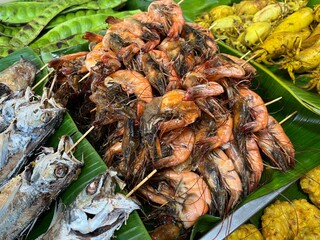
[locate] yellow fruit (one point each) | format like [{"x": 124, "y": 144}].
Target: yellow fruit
[
  {"x": 284, "y": 220},
  {"x": 310, "y": 183},
  {"x": 247, "y": 232}
]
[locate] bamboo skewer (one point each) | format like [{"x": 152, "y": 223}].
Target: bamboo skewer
[
  {"x": 289, "y": 116},
  {"x": 42, "y": 80},
  {"x": 273, "y": 101},
  {"x": 43, "y": 67},
  {"x": 52, "y": 85},
  {"x": 84, "y": 77},
  {"x": 141, "y": 183},
  {"x": 80, "y": 139}
]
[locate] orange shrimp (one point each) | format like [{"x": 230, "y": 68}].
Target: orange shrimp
[
  {"x": 159, "y": 71},
  {"x": 169, "y": 16},
  {"x": 254, "y": 160},
  {"x": 107, "y": 57},
  {"x": 184, "y": 192},
  {"x": 133, "y": 83},
  {"x": 232, "y": 150},
  {"x": 258, "y": 111},
  {"x": 229, "y": 176},
  {"x": 182, "y": 147},
  {"x": 203, "y": 90},
  {"x": 200, "y": 40},
  {"x": 182, "y": 112},
  {"x": 70, "y": 63},
  {"x": 162, "y": 59},
  {"x": 179, "y": 53},
  {"x": 274, "y": 142},
  {"x": 222, "y": 134}
]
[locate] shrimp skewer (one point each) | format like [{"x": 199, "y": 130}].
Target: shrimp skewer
[{"x": 274, "y": 142}]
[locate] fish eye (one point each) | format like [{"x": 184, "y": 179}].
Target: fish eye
[
  {"x": 92, "y": 187},
  {"x": 45, "y": 117},
  {"x": 61, "y": 171}
]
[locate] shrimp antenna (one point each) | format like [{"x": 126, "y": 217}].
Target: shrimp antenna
[
  {"x": 43, "y": 67},
  {"x": 42, "y": 79},
  {"x": 84, "y": 77},
  {"x": 141, "y": 183},
  {"x": 273, "y": 101},
  {"x": 80, "y": 139},
  {"x": 286, "y": 118}
]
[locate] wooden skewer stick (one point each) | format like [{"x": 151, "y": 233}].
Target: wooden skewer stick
[
  {"x": 246, "y": 54},
  {"x": 250, "y": 58},
  {"x": 43, "y": 67},
  {"x": 273, "y": 101},
  {"x": 92, "y": 110},
  {"x": 52, "y": 85},
  {"x": 286, "y": 118},
  {"x": 181, "y": 1},
  {"x": 80, "y": 139},
  {"x": 43, "y": 79},
  {"x": 141, "y": 183},
  {"x": 84, "y": 77}
]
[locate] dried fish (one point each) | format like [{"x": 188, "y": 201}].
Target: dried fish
[
  {"x": 9, "y": 104},
  {"x": 27, "y": 195},
  {"x": 34, "y": 122},
  {"x": 19, "y": 75},
  {"x": 95, "y": 214}
]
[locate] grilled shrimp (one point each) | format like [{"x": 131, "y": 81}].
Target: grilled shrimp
[
  {"x": 203, "y": 90},
  {"x": 230, "y": 178},
  {"x": 258, "y": 111},
  {"x": 254, "y": 161},
  {"x": 179, "y": 53},
  {"x": 274, "y": 142},
  {"x": 133, "y": 82},
  {"x": 180, "y": 113},
  {"x": 106, "y": 56},
  {"x": 159, "y": 71},
  {"x": 182, "y": 147},
  {"x": 212, "y": 70},
  {"x": 185, "y": 192},
  {"x": 166, "y": 17},
  {"x": 200, "y": 40},
  {"x": 216, "y": 137},
  {"x": 232, "y": 150}
]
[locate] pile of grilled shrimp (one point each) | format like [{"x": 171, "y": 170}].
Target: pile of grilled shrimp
[
  {"x": 161, "y": 96},
  {"x": 33, "y": 176}
]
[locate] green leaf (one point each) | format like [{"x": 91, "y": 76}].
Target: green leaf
[{"x": 203, "y": 224}]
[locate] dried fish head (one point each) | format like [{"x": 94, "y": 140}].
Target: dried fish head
[
  {"x": 39, "y": 115},
  {"x": 95, "y": 214},
  {"x": 52, "y": 171}
]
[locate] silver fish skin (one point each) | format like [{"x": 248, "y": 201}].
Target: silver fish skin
[
  {"x": 33, "y": 124},
  {"x": 10, "y": 104},
  {"x": 19, "y": 75},
  {"x": 95, "y": 214},
  {"x": 27, "y": 195}
]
